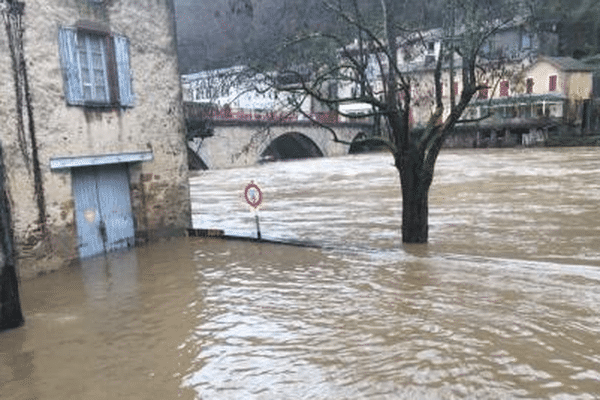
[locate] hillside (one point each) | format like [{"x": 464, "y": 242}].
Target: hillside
[{"x": 220, "y": 33}]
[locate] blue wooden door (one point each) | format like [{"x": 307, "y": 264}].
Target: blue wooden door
[
  {"x": 115, "y": 206},
  {"x": 87, "y": 212},
  {"x": 103, "y": 209}
]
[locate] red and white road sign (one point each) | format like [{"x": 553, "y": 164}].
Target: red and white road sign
[{"x": 253, "y": 194}]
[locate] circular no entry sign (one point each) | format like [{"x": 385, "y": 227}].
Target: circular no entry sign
[{"x": 253, "y": 194}]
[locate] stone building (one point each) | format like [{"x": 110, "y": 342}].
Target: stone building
[
  {"x": 531, "y": 93},
  {"x": 551, "y": 96},
  {"x": 91, "y": 127}
]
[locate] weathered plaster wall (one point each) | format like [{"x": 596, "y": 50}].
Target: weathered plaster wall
[
  {"x": 160, "y": 193},
  {"x": 17, "y": 158},
  {"x": 423, "y": 95},
  {"x": 580, "y": 85},
  {"x": 540, "y": 73},
  {"x": 423, "y": 88}
]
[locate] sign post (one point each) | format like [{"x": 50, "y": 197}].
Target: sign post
[{"x": 253, "y": 196}]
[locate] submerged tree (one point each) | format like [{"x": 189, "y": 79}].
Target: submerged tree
[
  {"x": 364, "y": 52},
  {"x": 361, "y": 54}
]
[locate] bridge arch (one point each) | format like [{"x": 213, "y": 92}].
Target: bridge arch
[
  {"x": 291, "y": 146},
  {"x": 195, "y": 162},
  {"x": 356, "y": 146},
  {"x": 241, "y": 143},
  {"x": 362, "y": 143}
]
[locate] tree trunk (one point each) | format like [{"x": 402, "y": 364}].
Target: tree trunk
[
  {"x": 415, "y": 181},
  {"x": 11, "y": 315}
]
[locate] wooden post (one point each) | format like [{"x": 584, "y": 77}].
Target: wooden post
[{"x": 258, "y": 236}]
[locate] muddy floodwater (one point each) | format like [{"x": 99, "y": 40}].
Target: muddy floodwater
[{"x": 503, "y": 303}]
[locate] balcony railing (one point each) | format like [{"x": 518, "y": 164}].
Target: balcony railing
[{"x": 209, "y": 112}]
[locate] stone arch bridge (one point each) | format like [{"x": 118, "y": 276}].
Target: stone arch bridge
[{"x": 237, "y": 143}]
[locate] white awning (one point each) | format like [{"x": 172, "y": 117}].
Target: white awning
[
  {"x": 356, "y": 108},
  {"x": 87, "y": 161}
]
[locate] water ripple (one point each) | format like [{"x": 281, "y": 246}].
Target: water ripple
[{"x": 503, "y": 303}]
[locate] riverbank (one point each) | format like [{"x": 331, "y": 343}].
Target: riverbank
[
  {"x": 573, "y": 141},
  {"x": 548, "y": 135}
]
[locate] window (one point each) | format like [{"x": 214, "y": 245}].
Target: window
[
  {"x": 483, "y": 93},
  {"x": 490, "y": 48},
  {"x": 96, "y": 68},
  {"x": 552, "y": 83},
  {"x": 525, "y": 41},
  {"x": 485, "y": 49},
  {"x": 504, "y": 88},
  {"x": 529, "y": 85},
  {"x": 372, "y": 67},
  {"x": 91, "y": 55}
]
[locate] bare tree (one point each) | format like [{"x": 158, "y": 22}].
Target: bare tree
[{"x": 369, "y": 64}]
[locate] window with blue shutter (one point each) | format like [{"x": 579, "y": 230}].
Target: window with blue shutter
[
  {"x": 67, "y": 39},
  {"x": 121, "y": 44},
  {"x": 96, "y": 68}
]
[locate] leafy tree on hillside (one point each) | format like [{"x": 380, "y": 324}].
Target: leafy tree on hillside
[{"x": 221, "y": 33}]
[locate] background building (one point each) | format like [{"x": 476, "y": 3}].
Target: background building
[{"x": 238, "y": 93}]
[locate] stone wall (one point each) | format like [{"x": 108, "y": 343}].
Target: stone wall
[
  {"x": 159, "y": 188},
  {"x": 482, "y": 139},
  {"x": 241, "y": 144}
]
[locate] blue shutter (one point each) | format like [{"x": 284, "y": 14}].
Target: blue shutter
[
  {"x": 67, "y": 40},
  {"x": 126, "y": 96}
]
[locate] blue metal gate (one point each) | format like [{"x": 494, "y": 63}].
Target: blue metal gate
[{"x": 102, "y": 209}]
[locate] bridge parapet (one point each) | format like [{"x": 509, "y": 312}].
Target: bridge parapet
[{"x": 201, "y": 114}]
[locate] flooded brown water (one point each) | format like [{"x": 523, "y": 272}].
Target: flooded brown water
[{"x": 504, "y": 302}]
